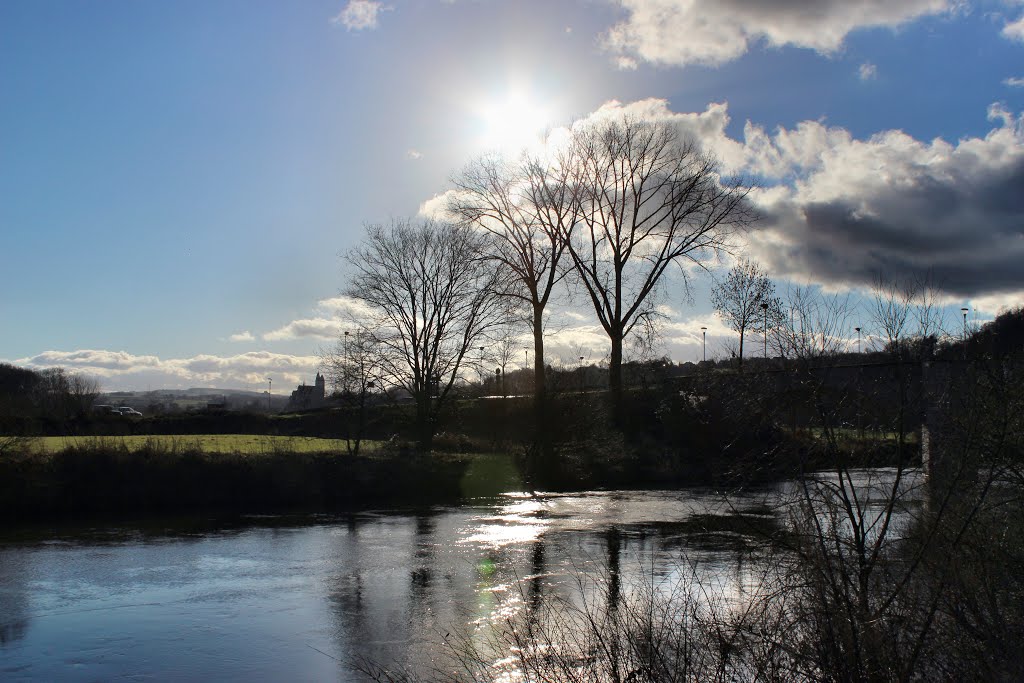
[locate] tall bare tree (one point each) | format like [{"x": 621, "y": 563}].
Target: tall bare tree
[
  {"x": 648, "y": 199},
  {"x": 527, "y": 206},
  {"x": 433, "y": 298},
  {"x": 746, "y": 300}
]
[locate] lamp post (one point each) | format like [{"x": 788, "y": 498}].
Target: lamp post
[
  {"x": 704, "y": 343},
  {"x": 346, "y": 369},
  {"x": 964, "y": 310},
  {"x": 581, "y": 374},
  {"x": 764, "y": 307},
  {"x": 858, "y": 339},
  {"x": 270, "y": 388}
]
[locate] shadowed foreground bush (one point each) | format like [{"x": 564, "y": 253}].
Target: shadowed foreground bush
[{"x": 111, "y": 479}]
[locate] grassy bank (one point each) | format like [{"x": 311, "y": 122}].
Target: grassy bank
[
  {"x": 108, "y": 478},
  {"x": 251, "y": 444}
]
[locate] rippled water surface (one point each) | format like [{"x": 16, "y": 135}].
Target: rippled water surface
[{"x": 297, "y": 598}]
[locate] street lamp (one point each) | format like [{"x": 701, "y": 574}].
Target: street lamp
[
  {"x": 704, "y": 344},
  {"x": 764, "y": 307},
  {"x": 270, "y": 388},
  {"x": 858, "y": 339},
  {"x": 581, "y": 374},
  {"x": 964, "y": 310}
]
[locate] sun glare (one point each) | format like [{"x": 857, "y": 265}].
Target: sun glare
[{"x": 513, "y": 123}]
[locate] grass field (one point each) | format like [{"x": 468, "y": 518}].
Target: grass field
[{"x": 208, "y": 443}]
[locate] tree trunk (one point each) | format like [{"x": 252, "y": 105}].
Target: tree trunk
[
  {"x": 543, "y": 452},
  {"x": 539, "y": 372},
  {"x": 424, "y": 426},
  {"x": 615, "y": 373},
  {"x": 741, "y": 349}
]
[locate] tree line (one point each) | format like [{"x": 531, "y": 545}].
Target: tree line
[{"x": 603, "y": 216}]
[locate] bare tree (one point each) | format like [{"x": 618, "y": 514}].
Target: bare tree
[
  {"x": 928, "y": 309},
  {"x": 527, "y": 206},
  {"x": 891, "y": 309},
  {"x": 647, "y": 200},
  {"x": 353, "y": 368},
  {"x": 433, "y": 299},
  {"x": 63, "y": 395},
  {"x": 817, "y": 327},
  {"x": 746, "y": 300},
  {"x": 506, "y": 345}
]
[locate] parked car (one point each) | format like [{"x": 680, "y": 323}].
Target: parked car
[{"x": 127, "y": 411}]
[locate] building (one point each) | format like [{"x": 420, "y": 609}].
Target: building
[{"x": 305, "y": 397}]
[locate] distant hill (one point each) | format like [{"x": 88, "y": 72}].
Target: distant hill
[{"x": 158, "y": 401}]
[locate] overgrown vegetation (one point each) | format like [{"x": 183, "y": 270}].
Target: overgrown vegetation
[{"x": 116, "y": 478}]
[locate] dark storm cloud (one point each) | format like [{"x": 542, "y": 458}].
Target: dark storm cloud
[
  {"x": 967, "y": 230},
  {"x": 844, "y": 210}
]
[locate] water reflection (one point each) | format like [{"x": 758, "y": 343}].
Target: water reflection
[
  {"x": 298, "y": 598},
  {"x": 14, "y": 604}
]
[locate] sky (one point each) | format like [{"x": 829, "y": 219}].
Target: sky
[{"x": 179, "y": 180}]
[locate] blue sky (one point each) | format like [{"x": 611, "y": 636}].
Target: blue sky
[{"x": 177, "y": 180}]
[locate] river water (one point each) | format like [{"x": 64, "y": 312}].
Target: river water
[{"x": 298, "y": 597}]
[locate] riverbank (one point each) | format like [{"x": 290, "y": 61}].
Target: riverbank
[
  {"x": 107, "y": 479},
  {"x": 112, "y": 477}
]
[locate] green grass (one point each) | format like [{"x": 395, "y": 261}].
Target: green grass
[{"x": 208, "y": 443}]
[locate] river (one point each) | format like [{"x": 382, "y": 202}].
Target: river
[{"x": 297, "y": 598}]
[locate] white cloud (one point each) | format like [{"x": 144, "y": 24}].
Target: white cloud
[
  {"x": 993, "y": 305},
  {"x": 245, "y": 336},
  {"x": 1014, "y": 82},
  {"x": 96, "y": 362},
  {"x": 626, "y": 63},
  {"x": 437, "y": 206},
  {"x": 344, "y": 307},
  {"x": 867, "y": 71},
  {"x": 707, "y": 127},
  {"x": 680, "y": 32},
  {"x": 359, "y": 15},
  {"x": 329, "y": 320},
  {"x": 1015, "y": 30},
  {"x": 569, "y": 343},
  {"x": 118, "y": 370},
  {"x": 317, "y": 328},
  {"x": 414, "y": 154}
]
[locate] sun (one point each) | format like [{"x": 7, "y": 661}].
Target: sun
[{"x": 512, "y": 123}]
